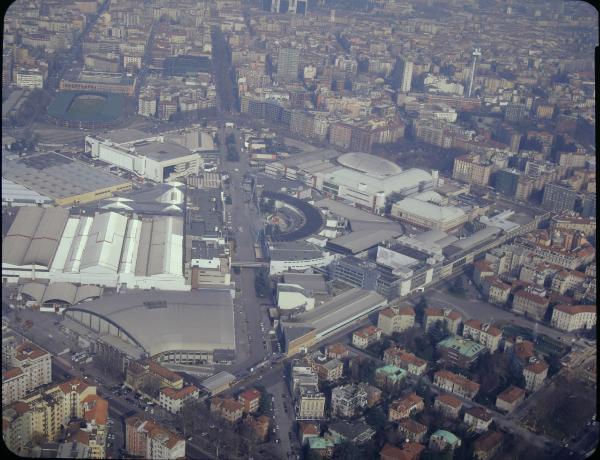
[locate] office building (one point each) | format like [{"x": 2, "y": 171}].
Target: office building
[
  {"x": 559, "y": 198},
  {"x": 288, "y": 62}
]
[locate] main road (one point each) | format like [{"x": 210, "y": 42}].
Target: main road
[{"x": 245, "y": 222}]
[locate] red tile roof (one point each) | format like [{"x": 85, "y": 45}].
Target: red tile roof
[
  {"x": 511, "y": 394},
  {"x": 449, "y": 400}
]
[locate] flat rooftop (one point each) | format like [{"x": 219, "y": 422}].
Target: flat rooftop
[
  {"x": 161, "y": 151},
  {"x": 342, "y": 309},
  {"x": 56, "y": 176}
]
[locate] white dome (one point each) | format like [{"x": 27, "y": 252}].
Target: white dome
[{"x": 369, "y": 164}]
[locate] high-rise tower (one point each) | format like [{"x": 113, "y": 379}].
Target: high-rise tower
[{"x": 476, "y": 54}]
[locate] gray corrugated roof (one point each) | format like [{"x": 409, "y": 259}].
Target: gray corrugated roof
[
  {"x": 197, "y": 320},
  {"x": 34, "y": 235},
  {"x": 60, "y": 291}
]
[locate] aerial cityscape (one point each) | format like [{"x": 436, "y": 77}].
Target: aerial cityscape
[{"x": 299, "y": 229}]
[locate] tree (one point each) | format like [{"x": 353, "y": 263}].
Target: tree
[
  {"x": 347, "y": 451},
  {"x": 457, "y": 287},
  {"x": 438, "y": 332},
  {"x": 262, "y": 283},
  {"x": 420, "y": 309},
  {"x": 376, "y": 418}
]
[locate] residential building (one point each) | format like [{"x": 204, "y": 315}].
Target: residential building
[
  {"x": 510, "y": 398},
  {"x": 495, "y": 290},
  {"x": 307, "y": 430},
  {"x": 450, "y": 317},
  {"x": 310, "y": 404},
  {"x": 396, "y": 319},
  {"x": 227, "y": 408},
  {"x": 442, "y": 439},
  {"x": 559, "y": 198},
  {"x": 472, "y": 168},
  {"x": 328, "y": 369},
  {"x": 356, "y": 432},
  {"x": 346, "y": 400},
  {"x": 484, "y": 333},
  {"x": 478, "y": 419},
  {"x": 486, "y": 445},
  {"x": 35, "y": 367},
  {"x": 14, "y": 385},
  {"x": 566, "y": 280},
  {"x": 373, "y": 395},
  {"x": 405, "y": 407},
  {"x": 148, "y": 439},
  {"x": 573, "y": 317},
  {"x": 250, "y": 399},
  {"x": 456, "y": 384},
  {"x": 17, "y": 426},
  {"x": 405, "y": 360},
  {"x": 173, "y": 400},
  {"x": 459, "y": 352},
  {"x": 448, "y": 405},
  {"x": 408, "y": 451},
  {"x": 389, "y": 377},
  {"x": 366, "y": 336},
  {"x": 338, "y": 350},
  {"x": 535, "y": 373},
  {"x": 530, "y": 304},
  {"x": 412, "y": 430}
]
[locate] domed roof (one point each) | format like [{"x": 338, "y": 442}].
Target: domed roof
[{"x": 369, "y": 164}]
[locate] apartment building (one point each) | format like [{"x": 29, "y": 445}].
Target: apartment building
[
  {"x": 17, "y": 426},
  {"x": 483, "y": 333},
  {"x": 250, "y": 399},
  {"x": 573, "y": 317},
  {"x": 456, "y": 384},
  {"x": 412, "y": 430},
  {"x": 535, "y": 373},
  {"x": 530, "y": 304},
  {"x": 459, "y": 352},
  {"x": 448, "y": 405},
  {"x": 478, "y": 419},
  {"x": 366, "y": 336},
  {"x": 32, "y": 367},
  {"x": 148, "y": 439},
  {"x": 173, "y": 400},
  {"x": 450, "y": 317},
  {"x": 473, "y": 169},
  {"x": 346, "y": 400},
  {"x": 405, "y": 407},
  {"x": 310, "y": 404},
  {"x": 389, "y": 377},
  {"x": 510, "y": 398},
  {"x": 566, "y": 280},
  {"x": 328, "y": 369},
  {"x": 404, "y": 360},
  {"x": 495, "y": 290},
  {"x": 43, "y": 413},
  {"x": 14, "y": 385},
  {"x": 396, "y": 319},
  {"x": 227, "y": 408}
]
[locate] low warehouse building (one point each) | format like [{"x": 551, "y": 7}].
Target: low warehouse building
[
  {"x": 108, "y": 249},
  {"x": 64, "y": 180}
]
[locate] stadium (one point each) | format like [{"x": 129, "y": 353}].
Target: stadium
[{"x": 86, "y": 109}]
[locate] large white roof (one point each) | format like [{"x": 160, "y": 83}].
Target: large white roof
[
  {"x": 428, "y": 210},
  {"x": 370, "y": 184},
  {"x": 369, "y": 164}
]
